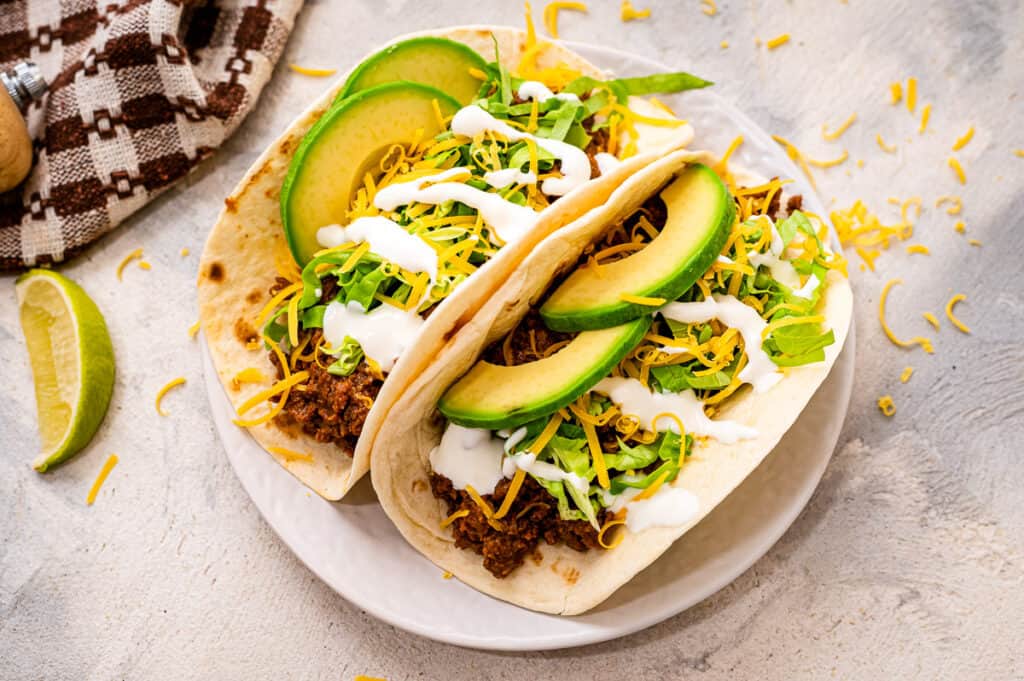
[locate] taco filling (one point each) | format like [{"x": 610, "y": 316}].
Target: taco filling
[
  {"x": 423, "y": 219},
  {"x": 607, "y": 455}
]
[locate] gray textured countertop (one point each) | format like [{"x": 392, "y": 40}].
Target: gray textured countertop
[{"x": 906, "y": 564}]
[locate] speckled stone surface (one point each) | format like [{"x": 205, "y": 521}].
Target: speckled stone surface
[{"x": 907, "y": 563}]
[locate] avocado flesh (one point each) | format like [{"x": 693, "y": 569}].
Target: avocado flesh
[
  {"x": 700, "y": 216},
  {"x": 495, "y": 397},
  {"x": 438, "y": 62},
  {"x": 329, "y": 164}
]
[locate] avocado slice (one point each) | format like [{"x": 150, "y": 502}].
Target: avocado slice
[
  {"x": 700, "y": 215},
  {"x": 438, "y": 62},
  {"x": 348, "y": 141},
  {"x": 493, "y": 396}
]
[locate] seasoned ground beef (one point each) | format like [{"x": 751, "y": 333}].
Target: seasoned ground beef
[
  {"x": 330, "y": 408},
  {"x": 519, "y": 346},
  {"x": 533, "y": 516}
]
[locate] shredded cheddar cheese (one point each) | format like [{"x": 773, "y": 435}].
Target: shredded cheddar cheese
[
  {"x": 886, "y": 405},
  {"x": 963, "y": 140},
  {"x": 484, "y": 506},
  {"x": 895, "y": 93},
  {"x": 724, "y": 44},
  {"x": 134, "y": 255},
  {"x": 630, "y": 13},
  {"x": 249, "y": 375},
  {"x": 193, "y": 330},
  {"x": 551, "y": 11},
  {"x": 1019, "y": 153},
  {"x": 290, "y": 456},
  {"x": 918, "y": 340},
  {"x": 108, "y": 466},
  {"x": 918, "y": 248},
  {"x": 184, "y": 251},
  {"x": 974, "y": 242},
  {"x": 838, "y": 132},
  {"x": 956, "y": 204},
  {"x": 446, "y": 575},
  {"x": 951, "y": 317},
  {"x": 641, "y": 300},
  {"x": 958, "y": 169},
  {"x": 960, "y": 227},
  {"x": 144, "y": 265},
  {"x": 312, "y": 71},
  {"x": 926, "y": 113},
  {"x": 864, "y": 231},
  {"x": 709, "y": 7},
  {"x": 777, "y": 41},
  {"x": 163, "y": 391},
  {"x": 453, "y": 517},
  {"x": 911, "y": 94},
  {"x": 597, "y": 454},
  {"x": 619, "y": 536},
  {"x": 889, "y": 149},
  {"x": 931, "y": 319},
  {"x": 907, "y": 373},
  {"x": 510, "y": 495}
]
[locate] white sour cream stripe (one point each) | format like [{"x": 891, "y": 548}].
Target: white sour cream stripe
[
  {"x": 632, "y": 397},
  {"x": 499, "y": 179},
  {"x": 606, "y": 162},
  {"x": 527, "y": 461},
  {"x": 782, "y": 270},
  {"x": 387, "y": 239},
  {"x": 468, "y": 456},
  {"x": 383, "y": 333},
  {"x": 472, "y": 120},
  {"x": 508, "y": 220},
  {"x": 533, "y": 89},
  {"x": 669, "y": 507},
  {"x": 760, "y": 371}
]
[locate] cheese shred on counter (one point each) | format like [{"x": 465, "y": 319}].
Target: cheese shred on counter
[
  {"x": 918, "y": 340},
  {"x": 163, "y": 391},
  {"x": 630, "y": 13},
  {"x": 886, "y": 405},
  {"x": 952, "y": 318},
  {"x": 551, "y": 11},
  {"x": 101, "y": 478}
]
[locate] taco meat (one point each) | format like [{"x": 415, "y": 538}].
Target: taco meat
[{"x": 533, "y": 516}]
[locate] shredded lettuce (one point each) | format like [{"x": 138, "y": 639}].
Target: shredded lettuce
[
  {"x": 657, "y": 83},
  {"x": 349, "y": 356}
]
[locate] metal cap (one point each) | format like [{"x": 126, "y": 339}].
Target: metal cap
[{"x": 24, "y": 83}]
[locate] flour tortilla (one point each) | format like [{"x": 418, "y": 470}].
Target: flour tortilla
[
  {"x": 238, "y": 267},
  {"x": 565, "y": 581}
]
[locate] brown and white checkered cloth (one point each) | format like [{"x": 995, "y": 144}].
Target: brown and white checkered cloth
[{"x": 140, "y": 92}]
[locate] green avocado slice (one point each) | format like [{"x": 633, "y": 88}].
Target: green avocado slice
[
  {"x": 493, "y": 396},
  {"x": 438, "y": 62},
  {"x": 348, "y": 141},
  {"x": 700, "y": 215}
]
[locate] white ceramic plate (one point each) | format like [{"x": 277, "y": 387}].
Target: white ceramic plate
[{"x": 356, "y": 550}]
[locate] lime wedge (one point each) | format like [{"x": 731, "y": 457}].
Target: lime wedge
[{"x": 72, "y": 362}]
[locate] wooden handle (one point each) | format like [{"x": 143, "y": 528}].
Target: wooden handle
[{"x": 15, "y": 144}]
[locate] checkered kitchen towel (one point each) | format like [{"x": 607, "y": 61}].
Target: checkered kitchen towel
[{"x": 140, "y": 92}]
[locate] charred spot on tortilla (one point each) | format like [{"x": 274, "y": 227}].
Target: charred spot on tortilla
[
  {"x": 419, "y": 485},
  {"x": 254, "y": 296},
  {"x": 537, "y": 557},
  {"x": 216, "y": 272},
  {"x": 231, "y": 204},
  {"x": 244, "y": 332}
]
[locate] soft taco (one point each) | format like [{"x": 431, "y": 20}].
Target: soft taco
[
  {"x": 635, "y": 369},
  {"x": 335, "y": 271}
]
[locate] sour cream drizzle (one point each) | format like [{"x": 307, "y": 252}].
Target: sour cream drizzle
[
  {"x": 509, "y": 221},
  {"x": 533, "y": 89},
  {"x": 499, "y": 179},
  {"x": 782, "y": 270},
  {"x": 633, "y": 397},
  {"x": 468, "y": 456},
  {"x": 527, "y": 461},
  {"x": 387, "y": 239},
  {"x": 606, "y": 162},
  {"x": 669, "y": 507},
  {"x": 472, "y": 120},
  {"x": 383, "y": 333},
  {"x": 760, "y": 371}
]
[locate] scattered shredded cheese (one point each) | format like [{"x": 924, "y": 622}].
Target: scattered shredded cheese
[
  {"x": 163, "y": 391},
  {"x": 926, "y": 113},
  {"x": 290, "y": 456},
  {"x": 918, "y": 340},
  {"x": 907, "y": 373},
  {"x": 961, "y": 142},
  {"x": 453, "y": 517},
  {"x": 249, "y": 375},
  {"x": 911, "y": 94},
  {"x": 918, "y": 248},
  {"x": 193, "y": 330},
  {"x": 956, "y": 204},
  {"x": 312, "y": 71},
  {"x": 551, "y": 11},
  {"x": 974, "y": 242},
  {"x": 864, "y": 231},
  {"x": 709, "y": 7},
  {"x": 510, "y": 495},
  {"x": 883, "y": 146},
  {"x": 895, "y": 93},
  {"x": 184, "y": 251},
  {"x": 619, "y": 536},
  {"x": 958, "y": 169},
  {"x": 952, "y": 318},
  {"x": 597, "y": 454},
  {"x": 777, "y": 41},
  {"x": 630, "y": 13},
  {"x": 886, "y": 404},
  {"x": 134, "y": 255},
  {"x": 1019, "y": 152},
  {"x": 724, "y": 44},
  {"x": 101, "y": 478},
  {"x": 446, "y": 575},
  {"x": 143, "y": 265},
  {"x": 931, "y": 319},
  {"x": 838, "y": 132},
  {"x": 960, "y": 227},
  {"x": 641, "y": 300}
]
